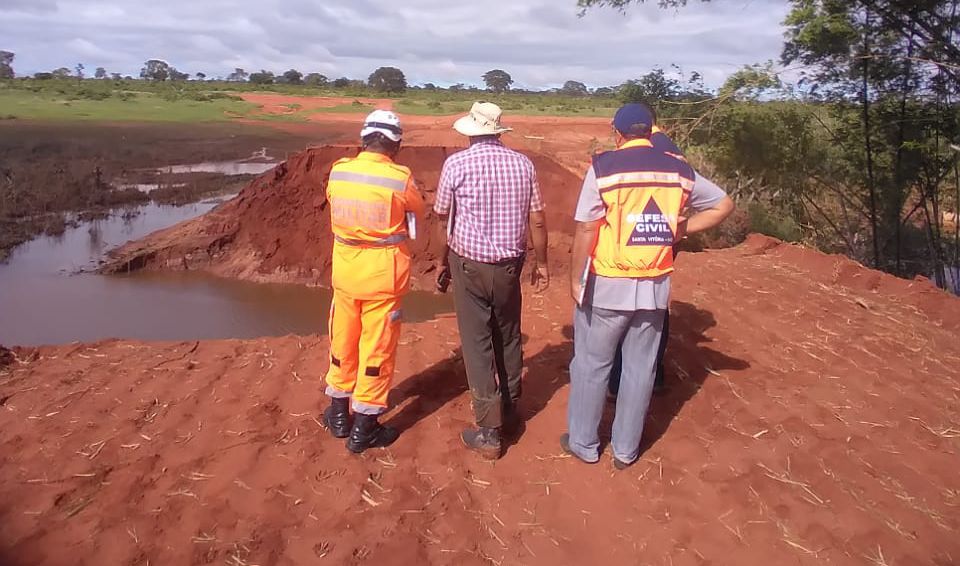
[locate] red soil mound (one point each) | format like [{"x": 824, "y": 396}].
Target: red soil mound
[
  {"x": 833, "y": 271},
  {"x": 278, "y": 228}
]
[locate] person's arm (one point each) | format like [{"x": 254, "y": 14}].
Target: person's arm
[
  {"x": 709, "y": 218},
  {"x": 413, "y": 204},
  {"x": 710, "y": 204},
  {"x": 584, "y": 242},
  {"x": 440, "y": 236},
  {"x": 538, "y": 233},
  {"x": 590, "y": 215},
  {"x": 442, "y": 207}
]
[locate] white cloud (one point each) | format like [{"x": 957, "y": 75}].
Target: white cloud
[{"x": 541, "y": 43}]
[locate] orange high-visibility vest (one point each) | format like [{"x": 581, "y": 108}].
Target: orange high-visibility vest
[
  {"x": 370, "y": 197},
  {"x": 644, "y": 189}
]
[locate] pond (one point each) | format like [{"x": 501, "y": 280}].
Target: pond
[{"x": 49, "y": 295}]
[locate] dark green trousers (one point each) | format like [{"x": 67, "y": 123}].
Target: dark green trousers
[{"x": 488, "y": 301}]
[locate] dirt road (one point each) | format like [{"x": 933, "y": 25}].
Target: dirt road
[{"x": 808, "y": 422}]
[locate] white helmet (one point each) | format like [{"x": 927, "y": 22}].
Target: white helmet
[{"x": 384, "y": 122}]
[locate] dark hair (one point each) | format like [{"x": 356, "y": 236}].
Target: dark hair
[{"x": 380, "y": 143}]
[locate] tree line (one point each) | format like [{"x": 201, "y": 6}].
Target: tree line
[{"x": 657, "y": 84}]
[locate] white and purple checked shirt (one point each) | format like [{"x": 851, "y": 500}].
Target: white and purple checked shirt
[{"x": 492, "y": 190}]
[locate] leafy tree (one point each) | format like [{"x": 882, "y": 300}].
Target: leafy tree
[
  {"x": 652, "y": 87},
  {"x": 293, "y": 77},
  {"x": 497, "y": 80},
  {"x": 201, "y": 76},
  {"x": 342, "y": 82},
  {"x": 264, "y": 77},
  {"x": 61, "y": 73},
  {"x": 574, "y": 88},
  {"x": 316, "y": 79},
  {"x": 751, "y": 82},
  {"x": 388, "y": 79},
  {"x": 79, "y": 71},
  {"x": 176, "y": 75},
  {"x": 43, "y": 76},
  {"x": 898, "y": 62},
  {"x": 604, "y": 91},
  {"x": 116, "y": 76},
  {"x": 237, "y": 76},
  {"x": 6, "y": 64},
  {"x": 100, "y": 73},
  {"x": 622, "y": 4},
  {"x": 429, "y": 86},
  {"x": 155, "y": 70}
]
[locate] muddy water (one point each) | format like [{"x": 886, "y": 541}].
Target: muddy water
[
  {"x": 224, "y": 168},
  {"x": 46, "y": 299}
]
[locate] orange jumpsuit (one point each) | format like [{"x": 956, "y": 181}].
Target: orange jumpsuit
[{"x": 370, "y": 198}]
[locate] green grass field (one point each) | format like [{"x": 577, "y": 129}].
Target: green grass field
[
  {"x": 139, "y": 107},
  {"x": 442, "y": 103},
  {"x": 105, "y": 100}
]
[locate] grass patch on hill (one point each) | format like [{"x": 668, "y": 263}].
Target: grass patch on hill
[{"x": 127, "y": 106}]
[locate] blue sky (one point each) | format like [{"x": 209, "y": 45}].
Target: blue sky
[{"x": 541, "y": 43}]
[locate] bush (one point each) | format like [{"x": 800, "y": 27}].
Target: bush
[
  {"x": 90, "y": 94},
  {"x": 771, "y": 222},
  {"x": 733, "y": 231},
  {"x": 211, "y": 96}
]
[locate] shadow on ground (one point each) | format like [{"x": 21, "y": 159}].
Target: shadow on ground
[
  {"x": 687, "y": 361},
  {"x": 688, "y": 364}
]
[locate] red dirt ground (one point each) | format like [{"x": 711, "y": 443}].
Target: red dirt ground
[
  {"x": 566, "y": 139},
  {"x": 812, "y": 419},
  {"x": 271, "y": 103}
]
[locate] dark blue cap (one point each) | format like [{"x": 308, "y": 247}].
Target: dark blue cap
[{"x": 634, "y": 119}]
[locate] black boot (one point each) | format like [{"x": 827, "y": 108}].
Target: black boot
[
  {"x": 367, "y": 432},
  {"x": 484, "y": 440},
  {"x": 337, "y": 417}
]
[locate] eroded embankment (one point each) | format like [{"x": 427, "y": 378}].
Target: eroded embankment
[{"x": 278, "y": 228}]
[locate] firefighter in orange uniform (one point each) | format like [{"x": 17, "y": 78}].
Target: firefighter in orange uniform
[{"x": 374, "y": 208}]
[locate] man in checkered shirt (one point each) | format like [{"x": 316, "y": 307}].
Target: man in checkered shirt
[{"x": 491, "y": 203}]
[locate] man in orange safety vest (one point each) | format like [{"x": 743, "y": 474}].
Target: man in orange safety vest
[
  {"x": 375, "y": 208},
  {"x": 628, "y": 220}
]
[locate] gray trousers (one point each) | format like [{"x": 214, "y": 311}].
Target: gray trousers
[
  {"x": 489, "y": 301},
  {"x": 597, "y": 335}
]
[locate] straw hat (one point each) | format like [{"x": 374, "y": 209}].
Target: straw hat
[{"x": 483, "y": 120}]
